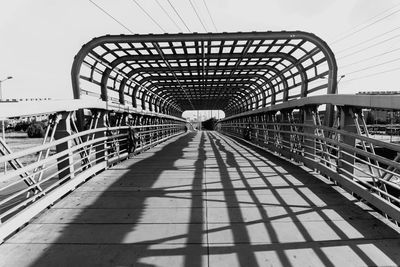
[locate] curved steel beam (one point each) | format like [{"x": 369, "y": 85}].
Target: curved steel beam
[
  {"x": 278, "y": 73},
  {"x": 320, "y": 46}
]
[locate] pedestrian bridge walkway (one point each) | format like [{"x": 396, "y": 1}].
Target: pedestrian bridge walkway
[{"x": 204, "y": 199}]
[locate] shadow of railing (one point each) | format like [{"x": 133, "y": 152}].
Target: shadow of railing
[
  {"x": 366, "y": 227},
  {"x": 112, "y": 244},
  {"x": 107, "y": 244}
]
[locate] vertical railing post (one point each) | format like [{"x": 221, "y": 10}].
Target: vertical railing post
[
  {"x": 271, "y": 134},
  {"x": 309, "y": 129},
  {"x": 347, "y": 160},
  {"x": 286, "y": 144},
  {"x": 101, "y": 146},
  {"x": 65, "y": 163},
  {"x": 265, "y": 129},
  {"x": 124, "y": 141}
]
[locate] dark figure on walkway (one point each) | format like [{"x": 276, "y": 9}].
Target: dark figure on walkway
[
  {"x": 247, "y": 133},
  {"x": 133, "y": 137}
]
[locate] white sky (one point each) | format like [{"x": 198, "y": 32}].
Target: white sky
[{"x": 39, "y": 38}]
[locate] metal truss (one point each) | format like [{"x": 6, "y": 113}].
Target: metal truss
[
  {"x": 69, "y": 154},
  {"x": 344, "y": 153},
  {"x": 233, "y": 72}
]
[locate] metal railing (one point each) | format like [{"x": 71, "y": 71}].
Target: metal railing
[
  {"x": 41, "y": 175},
  {"x": 343, "y": 152}
]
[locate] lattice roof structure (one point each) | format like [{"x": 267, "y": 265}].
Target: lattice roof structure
[{"x": 234, "y": 72}]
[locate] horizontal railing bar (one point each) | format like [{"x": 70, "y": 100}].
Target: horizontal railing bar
[
  {"x": 353, "y": 184},
  {"x": 18, "y": 220},
  {"x": 32, "y": 108},
  {"x": 36, "y": 149},
  {"x": 387, "y": 102},
  {"x": 355, "y": 149}
]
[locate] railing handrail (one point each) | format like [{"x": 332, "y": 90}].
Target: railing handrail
[
  {"x": 387, "y": 102},
  {"x": 71, "y": 137},
  {"x": 378, "y": 142},
  {"x": 32, "y": 108}
]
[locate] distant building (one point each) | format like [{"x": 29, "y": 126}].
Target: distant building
[
  {"x": 379, "y": 93},
  {"x": 381, "y": 116}
]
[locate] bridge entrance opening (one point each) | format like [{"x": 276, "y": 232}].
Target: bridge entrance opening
[{"x": 202, "y": 115}]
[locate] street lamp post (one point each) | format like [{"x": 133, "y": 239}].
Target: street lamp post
[
  {"x": 337, "y": 83},
  {"x": 329, "y": 109},
  {"x": 1, "y": 81},
  {"x": 3, "y": 131}
]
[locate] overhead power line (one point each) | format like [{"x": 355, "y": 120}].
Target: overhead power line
[
  {"x": 368, "y": 40},
  {"x": 370, "y": 46},
  {"x": 109, "y": 15},
  {"x": 351, "y": 33},
  {"x": 179, "y": 16},
  {"x": 150, "y": 16},
  {"x": 166, "y": 13},
  {"x": 374, "y": 66},
  {"x": 209, "y": 14},
  {"x": 372, "y": 75},
  {"x": 369, "y": 58},
  {"x": 198, "y": 15},
  {"x": 160, "y": 52}
]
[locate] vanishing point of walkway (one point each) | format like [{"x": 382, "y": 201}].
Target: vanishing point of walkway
[{"x": 203, "y": 199}]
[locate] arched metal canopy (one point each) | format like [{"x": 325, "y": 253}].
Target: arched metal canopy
[{"x": 234, "y": 72}]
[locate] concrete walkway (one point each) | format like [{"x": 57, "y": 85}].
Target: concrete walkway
[{"x": 205, "y": 200}]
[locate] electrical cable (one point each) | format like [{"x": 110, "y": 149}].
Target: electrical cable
[
  {"x": 209, "y": 14},
  {"x": 160, "y": 52},
  {"x": 109, "y": 15},
  {"x": 372, "y": 75},
  {"x": 198, "y": 16},
  {"x": 368, "y": 25},
  {"x": 366, "y": 59},
  {"x": 368, "y": 47},
  {"x": 170, "y": 18},
  {"x": 148, "y": 15},
  {"x": 177, "y": 13},
  {"x": 116, "y": 69},
  {"x": 373, "y": 66},
  {"x": 119, "y": 72},
  {"x": 368, "y": 40}
]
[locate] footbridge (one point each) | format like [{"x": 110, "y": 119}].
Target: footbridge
[{"x": 290, "y": 177}]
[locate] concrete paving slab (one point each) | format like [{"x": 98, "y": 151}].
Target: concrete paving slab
[
  {"x": 205, "y": 200},
  {"x": 331, "y": 253},
  {"x": 124, "y": 216},
  {"x": 128, "y": 202},
  {"x": 161, "y": 184},
  {"x": 283, "y": 213},
  {"x": 297, "y": 231},
  {"x": 93, "y": 233},
  {"x": 82, "y": 255}
]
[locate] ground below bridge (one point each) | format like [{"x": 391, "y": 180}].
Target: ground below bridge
[{"x": 203, "y": 199}]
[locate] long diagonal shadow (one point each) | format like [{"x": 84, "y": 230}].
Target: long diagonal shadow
[
  {"x": 103, "y": 244},
  {"x": 90, "y": 243},
  {"x": 196, "y": 230},
  {"x": 300, "y": 174},
  {"x": 246, "y": 256}
]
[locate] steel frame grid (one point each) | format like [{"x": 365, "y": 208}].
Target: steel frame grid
[{"x": 234, "y": 72}]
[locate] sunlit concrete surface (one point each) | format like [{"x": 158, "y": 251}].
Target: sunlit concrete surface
[{"x": 203, "y": 199}]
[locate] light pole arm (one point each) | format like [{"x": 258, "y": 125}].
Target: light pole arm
[{"x": 1, "y": 81}]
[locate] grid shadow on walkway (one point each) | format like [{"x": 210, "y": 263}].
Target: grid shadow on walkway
[{"x": 203, "y": 199}]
